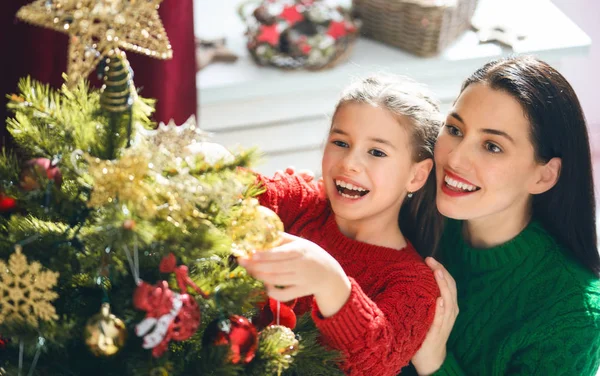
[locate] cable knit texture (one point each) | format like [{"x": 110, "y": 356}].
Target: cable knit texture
[
  {"x": 392, "y": 299},
  {"x": 526, "y": 308}
]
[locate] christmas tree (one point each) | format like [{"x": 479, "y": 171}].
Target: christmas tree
[{"x": 118, "y": 238}]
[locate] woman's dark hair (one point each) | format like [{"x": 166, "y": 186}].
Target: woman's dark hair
[
  {"x": 558, "y": 129},
  {"x": 419, "y": 218}
]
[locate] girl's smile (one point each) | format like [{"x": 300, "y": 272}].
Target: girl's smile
[{"x": 349, "y": 189}]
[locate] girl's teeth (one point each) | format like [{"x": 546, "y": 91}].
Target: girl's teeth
[{"x": 343, "y": 184}]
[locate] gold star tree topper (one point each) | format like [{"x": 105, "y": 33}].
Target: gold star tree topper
[
  {"x": 98, "y": 28},
  {"x": 26, "y": 291}
]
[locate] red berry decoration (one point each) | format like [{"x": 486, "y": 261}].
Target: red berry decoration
[
  {"x": 237, "y": 333},
  {"x": 37, "y": 168},
  {"x": 129, "y": 224},
  {"x": 3, "y": 343},
  {"x": 7, "y": 204},
  {"x": 169, "y": 315}
]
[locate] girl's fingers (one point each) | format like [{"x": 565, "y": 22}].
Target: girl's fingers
[
  {"x": 285, "y": 294},
  {"x": 281, "y": 253},
  {"x": 290, "y": 248},
  {"x": 275, "y": 279},
  {"x": 289, "y": 237},
  {"x": 276, "y": 267}
]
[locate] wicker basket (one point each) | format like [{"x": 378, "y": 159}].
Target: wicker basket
[{"x": 423, "y": 27}]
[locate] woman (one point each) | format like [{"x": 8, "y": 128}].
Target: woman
[{"x": 520, "y": 249}]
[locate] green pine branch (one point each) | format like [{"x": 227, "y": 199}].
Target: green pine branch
[
  {"x": 9, "y": 173},
  {"x": 88, "y": 246}
]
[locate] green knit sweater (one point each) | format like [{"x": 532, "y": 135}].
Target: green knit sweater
[{"x": 525, "y": 308}]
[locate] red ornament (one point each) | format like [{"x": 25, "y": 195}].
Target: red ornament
[
  {"x": 3, "y": 342},
  {"x": 237, "y": 333},
  {"x": 337, "y": 29},
  {"x": 170, "y": 315},
  {"x": 268, "y": 314},
  {"x": 36, "y": 168},
  {"x": 7, "y": 204},
  {"x": 129, "y": 224},
  {"x": 291, "y": 15},
  {"x": 269, "y": 34}
]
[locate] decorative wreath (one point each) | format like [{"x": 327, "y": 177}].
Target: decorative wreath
[{"x": 293, "y": 34}]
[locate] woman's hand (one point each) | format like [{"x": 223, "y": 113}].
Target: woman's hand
[
  {"x": 308, "y": 176},
  {"x": 432, "y": 353},
  {"x": 297, "y": 268}
]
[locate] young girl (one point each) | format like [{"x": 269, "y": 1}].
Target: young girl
[
  {"x": 372, "y": 296},
  {"x": 513, "y": 165}
]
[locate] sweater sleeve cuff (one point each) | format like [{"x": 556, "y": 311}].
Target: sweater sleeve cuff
[
  {"x": 450, "y": 367},
  {"x": 350, "y": 322}
]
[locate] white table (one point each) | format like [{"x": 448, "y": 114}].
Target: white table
[{"x": 286, "y": 114}]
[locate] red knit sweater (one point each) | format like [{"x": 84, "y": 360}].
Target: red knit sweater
[{"x": 393, "y": 293}]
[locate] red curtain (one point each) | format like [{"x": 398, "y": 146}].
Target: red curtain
[{"x": 42, "y": 54}]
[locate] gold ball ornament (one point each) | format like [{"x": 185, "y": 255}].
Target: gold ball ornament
[
  {"x": 159, "y": 371},
  {"x": 284, "y": 340},
  {"x": 256, "y": 228},
  {"x": 105, "y": 333}
]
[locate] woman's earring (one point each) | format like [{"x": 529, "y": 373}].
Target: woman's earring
[{"x": 410, "y": 194}]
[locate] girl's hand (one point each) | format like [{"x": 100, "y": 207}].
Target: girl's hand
[
  {"x": 432, "y": 353},
  {"x": 297, "y": 268}
]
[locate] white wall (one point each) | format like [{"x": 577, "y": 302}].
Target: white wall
[{"x": 584, "y": 72}]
